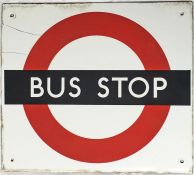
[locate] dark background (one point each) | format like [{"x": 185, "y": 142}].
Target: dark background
[{"x": 177, "y": 92}]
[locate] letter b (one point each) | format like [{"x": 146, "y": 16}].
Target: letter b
[{"x": 36, "y": 83}]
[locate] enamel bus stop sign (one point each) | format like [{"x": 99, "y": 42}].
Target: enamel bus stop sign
[{"x": 97, "y": 89}]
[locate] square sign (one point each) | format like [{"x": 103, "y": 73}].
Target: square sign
[{"x": 97, "y": 87}]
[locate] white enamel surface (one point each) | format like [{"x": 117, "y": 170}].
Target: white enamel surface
[{"x": 93, "y": 53}]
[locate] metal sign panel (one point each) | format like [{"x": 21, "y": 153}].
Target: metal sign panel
[{"x": 100, "y": 87}]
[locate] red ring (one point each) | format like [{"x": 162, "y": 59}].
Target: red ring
[{"x": 97, "y": 150}]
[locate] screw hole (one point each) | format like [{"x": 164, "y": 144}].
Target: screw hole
[
  {"x": 12, "y": 160},
  {"x": 182, "y": 13},
  {"x": 181, "y": 161},
  {"x": 12, "y": 15}
]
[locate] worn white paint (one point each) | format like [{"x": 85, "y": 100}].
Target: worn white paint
[{"x": 30, "y": 40}]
